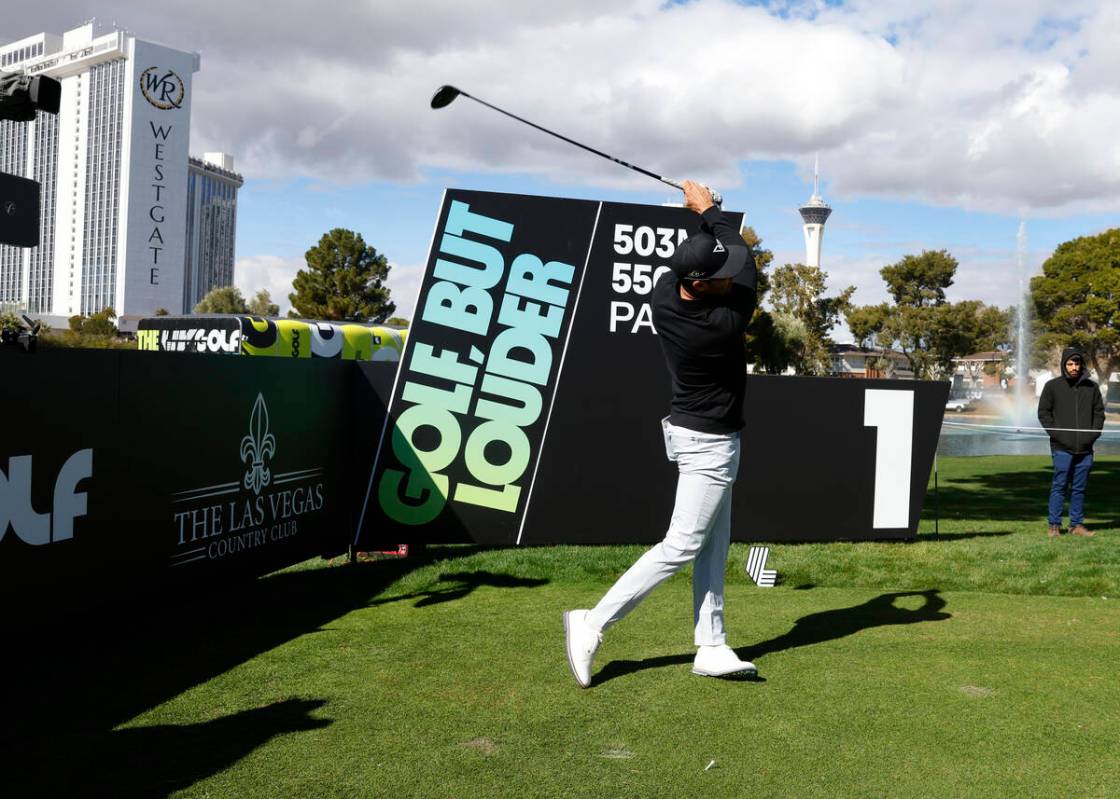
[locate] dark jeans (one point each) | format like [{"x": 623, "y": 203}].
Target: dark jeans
[{"x": 1069, "y": 470}]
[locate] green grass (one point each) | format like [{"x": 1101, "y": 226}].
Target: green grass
[{"x": 977, "y": 663}]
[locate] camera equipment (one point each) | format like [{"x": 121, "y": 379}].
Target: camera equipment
[
  {"x": 20, "y": 97},
  {"x": 27, "y": 338},
  {"x": 446, "y": 94}
]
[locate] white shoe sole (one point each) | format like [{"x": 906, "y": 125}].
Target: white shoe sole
[
  {"x": 568, "y": 650},
  {"x": 746, "y": 672}
]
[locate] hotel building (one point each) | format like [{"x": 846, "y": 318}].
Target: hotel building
[{"x": 117, "y": 183}]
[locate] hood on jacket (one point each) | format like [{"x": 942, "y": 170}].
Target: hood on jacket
[{"x": 1066, "y": 354}]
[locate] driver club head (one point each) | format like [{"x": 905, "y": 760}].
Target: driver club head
[{"x": 444, "y": 96}]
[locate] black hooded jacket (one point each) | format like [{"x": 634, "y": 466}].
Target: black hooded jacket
[{"x": 1073, "y": 404}]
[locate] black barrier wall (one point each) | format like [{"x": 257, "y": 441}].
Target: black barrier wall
[
  {"x": 119, "y": 467},
  {"x": 823, "y": 459},
  {"x": 526, "y": 412},
  {"x": 528, "y": 404}
]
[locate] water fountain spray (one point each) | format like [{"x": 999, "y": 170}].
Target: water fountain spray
[{"x": 1022, "y": 359}]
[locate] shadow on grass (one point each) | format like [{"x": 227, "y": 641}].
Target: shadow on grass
[
  {"x": 72, "y": 676},
  {"x": 816, "y": 628},
  {"x": 1023, "y": 495},
  {"x": 463, "y": 584},
  {"x": 829, "y": 625},
  {"x": 159, "y": 760}
]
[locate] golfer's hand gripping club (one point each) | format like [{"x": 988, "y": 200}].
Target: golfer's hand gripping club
[
  {"x": 717, "y": 198},
  {"x": 698, "y": 197}
]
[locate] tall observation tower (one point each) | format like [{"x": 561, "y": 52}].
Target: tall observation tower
[{"x": 815, "y": 212}]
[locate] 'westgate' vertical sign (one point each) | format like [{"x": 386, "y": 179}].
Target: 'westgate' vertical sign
[{"x": 472, "y": 398}]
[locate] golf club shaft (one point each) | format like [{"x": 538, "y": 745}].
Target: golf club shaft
[{"x": 645, "y": 172}]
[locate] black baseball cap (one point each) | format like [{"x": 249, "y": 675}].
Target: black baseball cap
[{"x": 702, "y": 256}]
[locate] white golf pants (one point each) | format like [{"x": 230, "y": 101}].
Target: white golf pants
[{"x": 700, "y": 530}]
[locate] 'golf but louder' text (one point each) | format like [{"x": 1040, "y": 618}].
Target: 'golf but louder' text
[{"x": 462, "y": 434}]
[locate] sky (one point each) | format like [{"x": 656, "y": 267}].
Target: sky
[{"x": 939, "y": 125}]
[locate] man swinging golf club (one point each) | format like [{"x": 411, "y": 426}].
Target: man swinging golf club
[{"x": 700, "y": 310}]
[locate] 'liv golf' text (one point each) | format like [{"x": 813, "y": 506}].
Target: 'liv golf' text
[{"x": 493, "y": 395}]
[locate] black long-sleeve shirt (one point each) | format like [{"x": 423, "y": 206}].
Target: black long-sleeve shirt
[
  {"x": 1068, "y": 405},
  {"x": 703, "y": 343}
]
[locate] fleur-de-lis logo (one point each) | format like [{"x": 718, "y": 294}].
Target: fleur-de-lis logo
[{"x": 257, "y": 446}]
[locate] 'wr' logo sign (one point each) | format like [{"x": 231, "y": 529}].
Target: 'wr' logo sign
[
  {"x": 162, "y": 88},
  {"x": 36, "y": 528}
]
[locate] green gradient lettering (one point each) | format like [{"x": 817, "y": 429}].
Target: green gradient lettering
[
  {"x": 497, "y": 473},
  {"x": 458, "y": 400},
  {"x": 529, "y": 317},
  {"x": 530, "y": 278},
  {"x": 468, "y": 309},
  {"x": 529, "y": 398},
  {"x": 430, "y": 489},
  {"x": 460, "y": 218},
  {"x": 446, "y": 364},
  {"x": 503, "y": 500},
  {"x": 492, "y": 261},
  {"x": 532, "y": 371},
  {"x": 424, "y": 416}
]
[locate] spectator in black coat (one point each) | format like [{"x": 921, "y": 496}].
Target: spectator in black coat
[{"x": 1071, "y": 410}]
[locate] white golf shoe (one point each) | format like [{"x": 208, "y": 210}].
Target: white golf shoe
[
  {"x": 582, "y": 640},
  {"x": 721, "y": 661}
]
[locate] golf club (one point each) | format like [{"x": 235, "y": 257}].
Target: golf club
[{"x": 447, "y": 94}]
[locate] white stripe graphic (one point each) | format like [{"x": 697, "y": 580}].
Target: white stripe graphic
[
  {"x": 756, "y": 567},
  {"x": 190, "y": 560},
  {"x": 205, "y": 488},
  {"x": 211, "y": 494},
  {"x": 299, "y": 473}
]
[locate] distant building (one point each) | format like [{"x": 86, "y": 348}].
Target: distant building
[
  {"x": 113, "y": 165},
  {"x": 814, "y": 213},
  {"x": 851, "y": 360},
  {"x": 211, "y": 226},
  {"x": 979, "y": 372}
]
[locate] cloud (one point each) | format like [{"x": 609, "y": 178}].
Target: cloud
[
  {"x": 1002, "y": 105},
  {"x": 404, "y": 285},
  {"x": 269, "y": 272},
  {"x": 275, "y": 274}
]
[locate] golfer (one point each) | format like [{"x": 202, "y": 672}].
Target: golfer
[
  {"x": 700, "y": 310},
  {"x": 1071, "y": 409}
]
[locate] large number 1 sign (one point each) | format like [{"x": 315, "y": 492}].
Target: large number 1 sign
[{"x": 892, "y": 412}]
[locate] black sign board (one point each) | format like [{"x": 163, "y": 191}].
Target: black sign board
[
  {"x": 19, "y": 211},
  {"x": 120, "y": 467},
  {"x": 576, "y": 454}
]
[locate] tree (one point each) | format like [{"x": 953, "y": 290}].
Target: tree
[
  {"x": 1077, "y": 300},
  {"x": 962, "y": 328},
  {"x": 397, "y": 321},
  {"x": 866, "y": 322},
  {"x": 797, "y": 292},
  {"x": 344, "y": 280},
  {"x": 919, "y": 281},
  {"x": 262, "y": 304},
  {"x": 10, "y": 323},
  {"x": 929, "y": 331},
  {"x": 765, "y": 347},
  {"x": 100, "y": 323},
  {"x": 223, "y": 299},
  {"x": 161, "y": 312}
]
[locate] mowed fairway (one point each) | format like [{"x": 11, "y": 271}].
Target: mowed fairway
[{"x": 885, "y": 670}]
